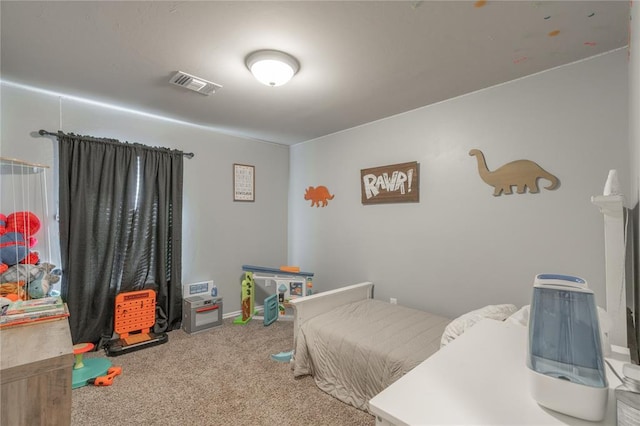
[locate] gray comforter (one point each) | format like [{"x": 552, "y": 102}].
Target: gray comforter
[{"x": 357, "y": 350}]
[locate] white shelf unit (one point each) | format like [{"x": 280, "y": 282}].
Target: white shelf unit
[{"x": 615, "y": 231}]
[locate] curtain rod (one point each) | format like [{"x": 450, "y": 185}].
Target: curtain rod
[{"x": 89, "y": 138}]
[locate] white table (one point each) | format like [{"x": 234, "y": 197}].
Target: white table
[{"x": 478, "y": 379}]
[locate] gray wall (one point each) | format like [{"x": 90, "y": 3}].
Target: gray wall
[
  {"x": 219, "y": 235},
  {"x": 460, "y": 247}
]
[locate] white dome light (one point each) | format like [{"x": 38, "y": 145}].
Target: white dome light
[{"x": 272, "y": 67}]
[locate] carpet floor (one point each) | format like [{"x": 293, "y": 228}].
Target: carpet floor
[{"x": 223, "y": 376}]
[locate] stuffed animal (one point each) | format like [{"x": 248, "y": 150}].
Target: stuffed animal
[
  {"x": 13, "y": 248},
  {"x": 26, "y": 223},
  {"x": 12, "y": 291},
  {"x": 16, "y": 238},
  {"x": 30, "y": 272},
  {"x": 38, "y": 278},
  {"x": 39, "y": 288}
]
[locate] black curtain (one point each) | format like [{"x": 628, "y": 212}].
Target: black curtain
[{"x": 120, "y": 230}]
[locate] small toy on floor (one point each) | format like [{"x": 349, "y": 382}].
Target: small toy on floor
[
  {"x": 107, "y": 380},
  {"x": 86, "y": 370},
  {"x": 282, "y": 356}
]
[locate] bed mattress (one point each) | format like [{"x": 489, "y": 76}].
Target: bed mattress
[{"x": 356, "y": 350}]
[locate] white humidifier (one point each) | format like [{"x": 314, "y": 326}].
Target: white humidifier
[{"x": 565, "y": 359}]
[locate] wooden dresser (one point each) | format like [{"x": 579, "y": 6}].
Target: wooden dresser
[{"x": 36, "y": 361}]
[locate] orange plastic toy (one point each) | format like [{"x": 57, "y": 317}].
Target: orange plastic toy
[
  {"x": 135, "y": 315},
  {"x": 78, "y": 350},
  {"x": 108, "y": 379},
  {"x": 135, "y": 311}
]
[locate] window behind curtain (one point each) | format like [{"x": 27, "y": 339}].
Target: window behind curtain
[{"x": 120, "y": 230}]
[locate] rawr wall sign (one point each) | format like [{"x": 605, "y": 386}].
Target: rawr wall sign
[{"x": 397, "y": 183}]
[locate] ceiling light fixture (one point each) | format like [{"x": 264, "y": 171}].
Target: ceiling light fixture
[{"x": 272, "y": 67}]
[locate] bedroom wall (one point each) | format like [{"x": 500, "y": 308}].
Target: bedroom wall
[
  {"x": 219, "y": 235},
  {"x": 460, "y": 247}
]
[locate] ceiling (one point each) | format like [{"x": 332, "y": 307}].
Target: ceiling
[{"x": 360, "y": 61}]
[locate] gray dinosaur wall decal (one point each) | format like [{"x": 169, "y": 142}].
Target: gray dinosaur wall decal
[{"x": 522, "y": 174}]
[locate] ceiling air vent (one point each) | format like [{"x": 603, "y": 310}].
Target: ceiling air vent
[{"x": 194, "y": 83}]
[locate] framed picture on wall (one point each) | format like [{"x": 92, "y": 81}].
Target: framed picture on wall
[
  {"x": 396, "y": 183},
  {"x": 244, "y": 180}
]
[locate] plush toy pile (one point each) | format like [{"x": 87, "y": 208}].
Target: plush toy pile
[{"x": 22, "y": 276}]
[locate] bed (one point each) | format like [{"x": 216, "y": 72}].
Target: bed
[{"x": 355, "y": 346}]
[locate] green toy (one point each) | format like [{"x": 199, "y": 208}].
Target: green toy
[
  {"x": 85, "y": 370},
  {"x": 248, "y": 299}
]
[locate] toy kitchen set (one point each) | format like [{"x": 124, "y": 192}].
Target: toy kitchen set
[{"x": 201, "y": 307}]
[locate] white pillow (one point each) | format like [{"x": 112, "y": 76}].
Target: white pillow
[
  {"x": 522, "y": 318},
  {"x": 463, "y": 322}
]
